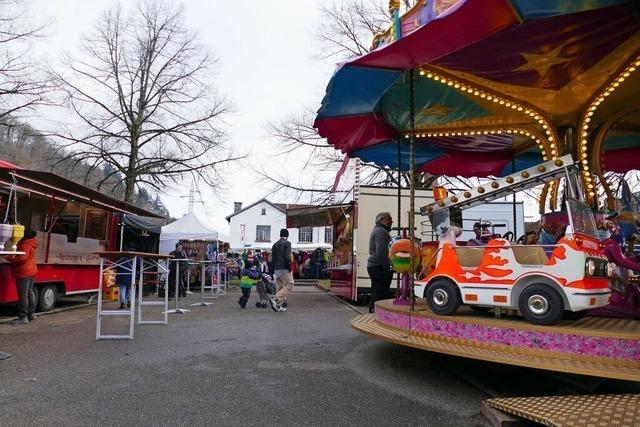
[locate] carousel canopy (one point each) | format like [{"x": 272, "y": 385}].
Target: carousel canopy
[{"x": 497, "y": 85}]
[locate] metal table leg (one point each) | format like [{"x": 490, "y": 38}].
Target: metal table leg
[
  {"x": 104, "y": 313},
  {"x": 202, "y": 302},
  {"x": 177, "y": 310},
  {"x": 164, "y": 304}
]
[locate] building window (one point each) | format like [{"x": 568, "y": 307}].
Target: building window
[
  {"x": 263, "y": 233},
  {"x": 328, "y": 235},
  {"x": 305, "y": 235},
  {"x": 264, "y": 211}
]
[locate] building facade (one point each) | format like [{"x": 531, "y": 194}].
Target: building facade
[{"x": 258, "y": 226}]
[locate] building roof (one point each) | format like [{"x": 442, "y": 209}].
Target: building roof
[
  {"x": 285, "y": 206},
  {"x": 282, "y": 207}
]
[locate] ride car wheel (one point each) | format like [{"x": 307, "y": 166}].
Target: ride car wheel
[
  {"x": 47, "y": 298},
  {"x": 541, "y": 305},
  {"x": 443, "y": 297}
]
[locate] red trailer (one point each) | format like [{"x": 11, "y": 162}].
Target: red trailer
[{"x": 72, "y": 221}]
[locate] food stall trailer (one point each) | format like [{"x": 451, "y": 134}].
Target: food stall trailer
[{"x": 72, "y": 222}]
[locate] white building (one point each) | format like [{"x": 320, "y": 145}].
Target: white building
[{"x": 258, "y": 226}]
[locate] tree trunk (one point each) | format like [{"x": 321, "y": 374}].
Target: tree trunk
[{"x": 131, "y": 176}]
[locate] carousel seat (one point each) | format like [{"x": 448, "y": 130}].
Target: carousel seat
[{"x": 529, "y": 255}]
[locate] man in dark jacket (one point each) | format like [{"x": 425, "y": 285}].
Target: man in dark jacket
[
  {"x": 281, "y": 255},
  {"x": 181, "y": 268},
  {"x": 378, "y": 264}
]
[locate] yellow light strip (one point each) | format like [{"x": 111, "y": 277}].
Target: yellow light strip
[
  {"x": 585, "y": 124},
  {"x": 548, "y": 144},
  {"x": 516, "y": 130}
]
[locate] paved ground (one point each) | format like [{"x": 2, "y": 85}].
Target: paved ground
[{"x": 224, "y": 366}]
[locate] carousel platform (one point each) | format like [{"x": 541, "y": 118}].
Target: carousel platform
[{"x": 596, "y": 346}]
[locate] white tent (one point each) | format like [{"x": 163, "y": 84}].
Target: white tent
[{"x": 189, "y": 227}]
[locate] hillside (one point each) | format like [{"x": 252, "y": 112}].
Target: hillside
[{"x": 25, "y": 146}]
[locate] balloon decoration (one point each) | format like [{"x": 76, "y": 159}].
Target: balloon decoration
[{"x": 400, "y": 255}]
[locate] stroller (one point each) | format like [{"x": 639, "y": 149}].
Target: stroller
[{"x": 266, "y": 290}]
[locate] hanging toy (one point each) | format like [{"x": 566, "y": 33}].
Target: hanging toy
[
  {"x": 8, "y": 231},
  {"x": 400, "y": 255}
]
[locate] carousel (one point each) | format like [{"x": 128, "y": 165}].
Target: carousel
[{"x": 527, "y": 94}]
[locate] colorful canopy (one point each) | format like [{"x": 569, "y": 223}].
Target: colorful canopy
[{"x": 497, "y": 85}]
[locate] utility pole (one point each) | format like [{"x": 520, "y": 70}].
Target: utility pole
[{"x": 194, "y": 197}]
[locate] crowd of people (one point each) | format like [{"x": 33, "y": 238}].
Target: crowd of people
[{"x": 305, "y": 264}]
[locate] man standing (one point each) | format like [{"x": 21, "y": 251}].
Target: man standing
[
  {"x": 378, "y": 264},
  {"x": 181, "y": 268},
  {"x": 281, "y": 254}
]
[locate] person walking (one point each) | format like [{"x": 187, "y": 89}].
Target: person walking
[
  {"x": 378, "y": 264},
  {"x": 247, "y": 277},
  {"x": 24, "y": 269},
  {"x": 281, "y": 254}
]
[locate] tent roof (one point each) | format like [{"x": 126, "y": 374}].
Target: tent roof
[{"x": 191, "y": 227}]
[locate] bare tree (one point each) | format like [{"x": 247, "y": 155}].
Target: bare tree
[
  {"x": 140, "y": 94},
  {"x": 347, "y": 27},
  {"x": 346, "y": 30},
  {"x": 21, "y": 87}
]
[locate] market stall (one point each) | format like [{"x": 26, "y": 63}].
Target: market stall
[
  {"x": 192, "y": 228},
  {"x": 72, "y": 222},
  {"x": 201, "y": 242}
]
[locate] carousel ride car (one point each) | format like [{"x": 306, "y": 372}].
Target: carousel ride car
[{"x": 573, "y": 277}]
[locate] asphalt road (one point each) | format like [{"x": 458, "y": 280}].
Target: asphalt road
[
  {"x": 224, "y": 366},
  {"x": 221, "y": 365}
]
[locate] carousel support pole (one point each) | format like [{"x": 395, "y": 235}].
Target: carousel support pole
[
  {"x": 515, "y": 206},
  {"x": 412, "y": 179},
  {"x": 399, "y": 207},
  {"x": 406, "y": 294}
]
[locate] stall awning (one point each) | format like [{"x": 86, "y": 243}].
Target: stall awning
[
  {"x": 317, "y": 216},
  {"x": 142, "y": 223},
  {"x": 50, "y": 185}
]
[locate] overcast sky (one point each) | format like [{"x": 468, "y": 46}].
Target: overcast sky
[{"x": 266, "y": 68}]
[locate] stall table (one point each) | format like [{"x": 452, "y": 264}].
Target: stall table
[
  {"x": 189, "y": 276},
  {"x": 202, "y": 301},
  {"x": 177, "y": 310},
  {"x": 221, "y": 280},
  {"x": 122, "y": 258}
]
